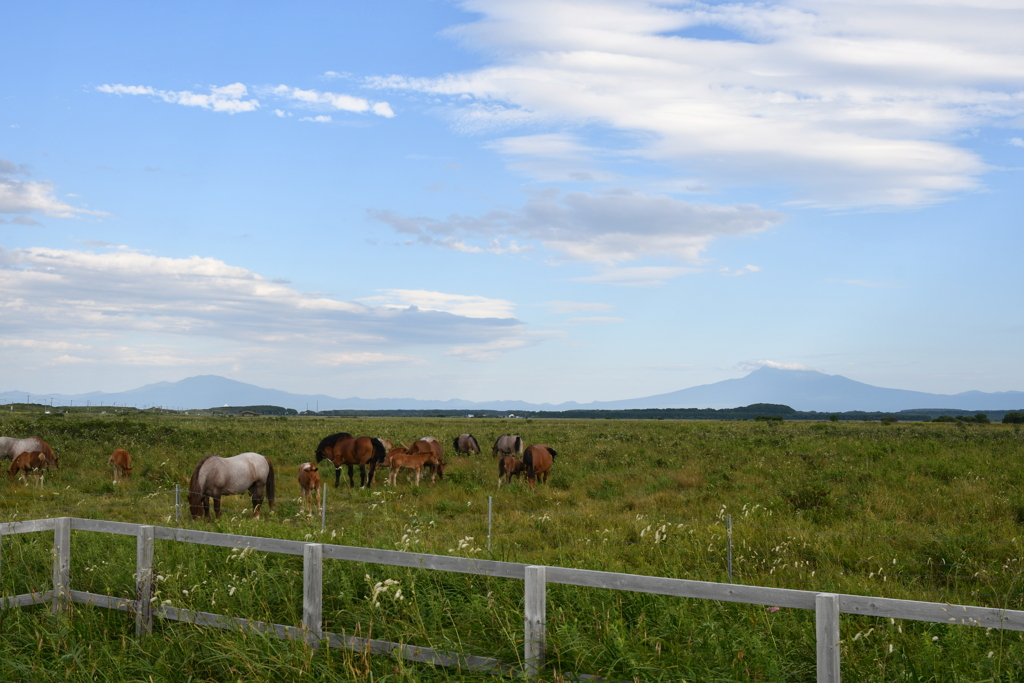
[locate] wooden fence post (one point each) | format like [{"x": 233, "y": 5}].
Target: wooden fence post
[
  {"x": 61, "y": 563},
  {"x": 144, "y": 581},
  {"x": 826, "y": 612},
  {"x": 535, "y": 618},
  {"x": 312, "y": 592}
]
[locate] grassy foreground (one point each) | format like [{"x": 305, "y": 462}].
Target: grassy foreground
[{"x": 921, "y": 511}]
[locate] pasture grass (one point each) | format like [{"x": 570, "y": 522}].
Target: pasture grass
[{"x": 920, "y": 511}]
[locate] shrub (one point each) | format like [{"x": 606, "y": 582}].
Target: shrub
[
  {"x": 889, "y": 420},
  {"x": 1014, "y": 418}
]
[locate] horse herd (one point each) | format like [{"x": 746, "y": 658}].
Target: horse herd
[{"x": 215, "y": 477}]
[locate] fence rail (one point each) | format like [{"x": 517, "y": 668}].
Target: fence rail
[{"x": 827, "y": 606}]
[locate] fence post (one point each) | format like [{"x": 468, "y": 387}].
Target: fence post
[
  {"x": 323, "y": 510},
  {"x": 728, "y": 550},
  {"x": 177, "y": 504},
  {"x": 826, "y": 613},
  {"x": 61, "y": 563},
  {"x": 489, "y": 505},
  {"x": 312, "y": 592},
  {"x": 144, "y": 542},
  {"x": 535, "y": 618}
]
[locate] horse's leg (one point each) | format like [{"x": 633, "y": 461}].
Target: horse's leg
[
  {"x": 337, "y": 475},
  {"x": 257, "y": 498},
  {"x": 216, "y": 506},
  {"x": 351, "y": 478},
  {"x": 206, "y": 509},
  {"x": 362, "y": 476}
]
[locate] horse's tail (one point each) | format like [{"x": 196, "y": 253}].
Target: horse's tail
[
  {"x": 195, "y": 494},
  {"x": 379, "y": 452},
  {"x": 519, "y": 445},
  {"x": 552, "y": 452},
  {"x": 475, "y": 444},
  {"x": 455, "y": 444},
  {"x": 501, "y": 469},
  {"x": 270, "y": 484},
  {"x": 528, "y": 462}
]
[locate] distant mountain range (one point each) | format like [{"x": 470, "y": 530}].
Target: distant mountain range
[{"x": 804, "y": 390}]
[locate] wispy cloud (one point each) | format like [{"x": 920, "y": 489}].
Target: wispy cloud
[
  {"x": 1016, "y": 142},
  {"x": 21, "y": 196},
  {"x": 606, "y": 228},
  {"x": 201, "y": 306},
  {"x": 457, "y": 304},
  {"x": 602, "y": 320},
  {"x": 851, "y": 107},
  {"x": 749, "y": 365},
  {"x": 230, "y": 99},
  {"x": 322, "y": 118},
  {"x": 639, "y": 276},
  {"x": 332, "y": 101}
]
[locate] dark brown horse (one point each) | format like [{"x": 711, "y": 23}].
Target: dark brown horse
[
  {"x": 343, "y": 449},
  {"x": 538, "y": 460}
]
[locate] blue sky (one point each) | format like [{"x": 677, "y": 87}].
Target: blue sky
[{"x": 544, "y": 201}]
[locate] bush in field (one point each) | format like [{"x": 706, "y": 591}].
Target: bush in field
[
  {"x": 889, "y": 420},
  {"x": 1014, "y": 418}
]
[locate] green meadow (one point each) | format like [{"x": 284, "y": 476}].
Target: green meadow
[{"x": 920, "y": 511}]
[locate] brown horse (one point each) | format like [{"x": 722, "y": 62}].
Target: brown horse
[
  {"x": 29, "y": 463},
  {"x": 343, "y": 449},
  {"x": 122, "y": 462},
  {"x": 413, "y": 461},
  {"x": 509, "y": 466},
  {"x": 309, "y": 486},
  {"x": 538, "y": 460},
  {"x": 429, "y": 444}
]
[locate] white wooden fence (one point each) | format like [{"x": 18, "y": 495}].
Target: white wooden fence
[{"x": 827, "y": 606}]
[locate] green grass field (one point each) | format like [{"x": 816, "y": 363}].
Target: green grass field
[{"x": 919, "y": 511}]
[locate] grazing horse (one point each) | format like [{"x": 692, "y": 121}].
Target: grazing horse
[
  {"x": 538, "y": 459},
  {"x": 435, "y": 464},
  {"x": 509, "y": 466},
  {"x": 215, "y": 477},
  {"x": 309, "y": 484},
  {"x": 413, "y": 460},
  {"x": 345, "y": 450},
  {"x": 10, "y": 447},
  {"x": 122, "y": 462},
  {"x": 34, "y": 463},
  {"x": 508, "y": 444},
  {"x": 466, "y": 443}
]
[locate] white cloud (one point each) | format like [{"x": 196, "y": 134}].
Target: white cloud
[
  {"x": 458, "y": 304},
  {"x": 552, "y": 157},
  {"x": 330, "y": 100},
  {"x": 1017, "y": 142},
  {"x": 606, "y": 228},
  {"x": 749, "y": 365},
  {"x": 116, "y": 305},
  {"x": 226, "y": 98},
  {"x": 845, "y": 103},
  {"x": 745, "y": 270},
  {"x": 365, "y": 358},
  {"x": 317, "y": 119},
  {"x": 281, "y": 114},
  {"x": 19, "y": 196}
]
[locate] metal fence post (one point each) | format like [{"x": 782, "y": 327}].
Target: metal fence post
[
  {"x": 177, "y": 504},
  {"x": 489, "y": 505},
  {"x": 826, "y": 613},
  {"x": 144, "y": 546},
  {"x": 323, "y": 510},
  {"x": 535, "y": 618},
  {"x": 61, "y": 563},
  {"x": 312, "y": 592},
  {"x": 728, "y": 550}
]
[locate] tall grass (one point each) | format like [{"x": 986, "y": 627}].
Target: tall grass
[{"x": 920, "y": 511}]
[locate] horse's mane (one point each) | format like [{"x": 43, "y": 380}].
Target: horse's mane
[
  {"x": 329, "y": 441},
  {"x": 195, "y": 494}
]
